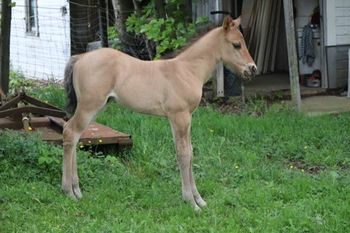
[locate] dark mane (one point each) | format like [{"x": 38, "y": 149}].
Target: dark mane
[{"x": 200, "y": 32}]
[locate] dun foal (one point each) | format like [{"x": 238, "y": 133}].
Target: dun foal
[{"x": 171, "y": 88}]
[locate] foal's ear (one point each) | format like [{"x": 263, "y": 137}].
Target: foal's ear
[
  {"x": 227, "y": 23},
  {"x": 237, "y": 22}
]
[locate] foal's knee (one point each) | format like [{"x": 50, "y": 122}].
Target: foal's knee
[{"x": 67, "y": 130}]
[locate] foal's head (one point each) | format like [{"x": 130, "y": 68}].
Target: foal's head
[{"x": 235, "y": 54}]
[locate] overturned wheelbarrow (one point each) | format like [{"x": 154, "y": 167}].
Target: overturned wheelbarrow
[{"x": 32, "y": 115}]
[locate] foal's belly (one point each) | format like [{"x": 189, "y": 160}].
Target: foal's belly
[{"x": 139, "y": 104}]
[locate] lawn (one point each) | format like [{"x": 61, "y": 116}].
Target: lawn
[{"x": 276, "y": 172}]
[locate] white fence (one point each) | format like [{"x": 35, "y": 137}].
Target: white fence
[{"x": 40, "y": 38}]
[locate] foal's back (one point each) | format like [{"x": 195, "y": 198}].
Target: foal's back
[{"x": 152, "y": 87}]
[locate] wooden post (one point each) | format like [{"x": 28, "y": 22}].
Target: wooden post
[
  {"x": 275, "y": 39},
  {"x": 102, "y": 14},
  {"x": 220, "y": 80},
  {"x": 292, "y": 54},
  {"x": 5, "y": 44},
  {"x": 349, "y": 73}
]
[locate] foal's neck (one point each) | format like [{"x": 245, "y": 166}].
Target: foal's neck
[{"x": 202, "y": 57}]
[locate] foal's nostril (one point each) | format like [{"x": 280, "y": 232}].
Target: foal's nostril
[{"x": 253, "y": 69}]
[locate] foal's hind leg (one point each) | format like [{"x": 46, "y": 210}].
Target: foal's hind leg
[
  {"x": 181, "y": 124},
  {"x": 71, "y": 134}
]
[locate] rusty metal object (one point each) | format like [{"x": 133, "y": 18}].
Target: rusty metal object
[
  {"x": 95, "y": 134},
  {"x": 26, "y": 123},
  {"x": 19, "y": 105},
  {"x": 29, "y": 114}
]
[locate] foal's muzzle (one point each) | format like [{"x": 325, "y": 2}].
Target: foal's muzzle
[{"x": 250, "y": 71}]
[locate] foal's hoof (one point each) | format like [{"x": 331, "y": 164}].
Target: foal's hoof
[
  {"x": 72, "y": 192},
  {"x": 197, "y": 209},
  {"x": 77, "y": 191},
  {"x": 194, "y": 205},
  {"x": 201, "y": 203}
]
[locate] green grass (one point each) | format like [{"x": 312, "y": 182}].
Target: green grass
[{"x": 281, "y": 172}]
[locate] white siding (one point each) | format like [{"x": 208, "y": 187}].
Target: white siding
[
  {"x": 43, "y": 56},
  {"x": 338, "y": 22},
  {"x": 337, "y": 40}
]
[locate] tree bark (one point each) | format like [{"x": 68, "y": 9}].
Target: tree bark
[
  {"x": 103, "y": 22},
  {"x": 160, "y": 8},
  {"x": 122, "y": 10},
  {"x": 131, "y": 43},
  {"x": 188, "y": 10},
  {"x": 147, "y": 42}
]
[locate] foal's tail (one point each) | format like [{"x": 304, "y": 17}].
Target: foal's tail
[{"x": 69, "y": 87}]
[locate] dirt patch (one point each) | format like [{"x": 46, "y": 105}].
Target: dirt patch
[
  {"x": 303, "y": 167},
  {"x": 232, "y": 105},
  {"x": 254, "y": 106}
]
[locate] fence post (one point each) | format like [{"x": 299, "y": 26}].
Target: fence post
[
  {"x": 349, "y": 73},
  {"x": 102, "y": 14},
  {"x": 6, "y": 6},
  {"x": 292, "y": 54}
]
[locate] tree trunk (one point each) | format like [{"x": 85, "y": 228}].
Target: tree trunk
[
  {"x": 160, "y": 8},
  {"x": 188, "y": 10},
  {"x": 122, "y": 10},
  {"x": 130, "y": 43},
  {"x": 103, "y": 22},
  {"x": 150, "y": 48}
]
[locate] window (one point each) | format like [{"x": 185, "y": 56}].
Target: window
[{"x": 32, "y": 26}]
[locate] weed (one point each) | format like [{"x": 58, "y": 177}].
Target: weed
[
  {"x": 51, "y": 92},
  {"x": 278, "y": 95},
  {"x": 18, "y": 83},
  {"x": 256, "y": 107}
]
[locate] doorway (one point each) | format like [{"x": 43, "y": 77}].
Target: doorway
[{"x": 264, "y": 29}]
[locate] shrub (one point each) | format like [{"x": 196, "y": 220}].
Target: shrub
[
  {"x": 51, "y": 92},
  {"x": 18, "y": 82},
  {"x": 21, "y": 151},
  {"x": 168, "y": 33}
]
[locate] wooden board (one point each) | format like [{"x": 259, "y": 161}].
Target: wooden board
[{"x": 50, "y": 129}]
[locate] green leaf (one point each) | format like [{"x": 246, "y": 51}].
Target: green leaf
[{"x": 168, "y": 33}]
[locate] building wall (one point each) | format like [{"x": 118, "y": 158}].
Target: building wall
[
  {"x": 337, "y": 15},
  {"x": 338, "y": 22},
  {"x": 41, "y": 56},
  {"x": 337, "y": 60}
]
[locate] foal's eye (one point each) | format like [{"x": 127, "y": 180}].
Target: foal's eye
[{"x": 237, "y": 45}]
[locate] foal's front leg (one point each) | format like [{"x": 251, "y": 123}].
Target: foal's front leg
[
  {"x": 197, "y": 197},
  {"x": 181, "y": 124}
]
